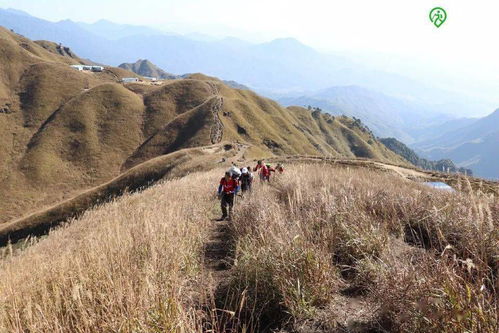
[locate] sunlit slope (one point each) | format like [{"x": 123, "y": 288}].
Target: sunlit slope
[
  {"x": 64, "y": 131},
  {"x": 247, "y": 117}
]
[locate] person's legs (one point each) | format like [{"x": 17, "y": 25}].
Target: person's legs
[
  {"x": 223, "y": 204},
  {"x": 230, "y": 202}
]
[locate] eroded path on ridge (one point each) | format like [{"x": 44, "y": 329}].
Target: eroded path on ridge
[
  {"x": 218, "y": 259},
  {"x": 217, "y": 130},
  {"x": 218, "y": 253}
]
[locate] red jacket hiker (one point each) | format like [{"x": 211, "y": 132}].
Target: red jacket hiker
[
  {"x": 227, "y": 190},
  {"x": 228, "y": 186},
  {"x": 264, "y": 172}
]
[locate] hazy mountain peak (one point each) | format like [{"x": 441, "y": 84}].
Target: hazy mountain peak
[
  {"x": 103, "y": 21},
  {"x": 494, "y": 115},
  {"x": 16, "y": 11},
  {"x": 67, "y": 23},
  {"x": 287, "y": 42},
  {"x": 146, "y": 68}
]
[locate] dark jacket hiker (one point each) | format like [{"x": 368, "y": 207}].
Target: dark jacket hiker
[{"x": 246, "y": 180}]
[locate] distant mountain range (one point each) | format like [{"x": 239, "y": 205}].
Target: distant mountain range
[
  {"x": 281, "y": 65},
  {"x": 386, "y": 116},
  {"x": 390, "y": 104},
  {"x": 474, "y": 146},
  {"x": 114, "y": 31}
]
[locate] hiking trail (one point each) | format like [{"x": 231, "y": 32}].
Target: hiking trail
[
  {"x": 217, "y": 130},
  {"x": 218, "y": 260}
]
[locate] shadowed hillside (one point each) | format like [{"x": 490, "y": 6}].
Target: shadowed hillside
[{"x": 66, "y": 130}]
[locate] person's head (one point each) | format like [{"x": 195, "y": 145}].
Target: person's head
[
  {"x": 260, "y": 162},
  {"x": 227, "y": 175},
  {"x": 249, "y": 168},
  {"x": 268, "y": 165},
  {"x": 244, "y": 170}
]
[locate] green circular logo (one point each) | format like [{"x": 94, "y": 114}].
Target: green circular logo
[{"x": 438, "y": 15}]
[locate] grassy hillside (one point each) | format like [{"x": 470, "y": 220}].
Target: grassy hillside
[
  {"x": 169, "y": 166},
  {"x": 66, "y": 131},
  {"x": 342, "y": 249},
  {"x": 410, "y": 155}
]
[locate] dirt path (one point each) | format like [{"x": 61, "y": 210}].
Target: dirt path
[
  {"x": 405, "y": 172},
  {"x": 218, "y": 253},
  {"x": 218, "y": 260},
  {"x": 217, "y": 130},
  {"x": 401, "y": 171}
]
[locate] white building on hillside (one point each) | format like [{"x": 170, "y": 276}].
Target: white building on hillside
[
  {"x": 88, "y": 68},
  {"x": 129, "y": 79}
]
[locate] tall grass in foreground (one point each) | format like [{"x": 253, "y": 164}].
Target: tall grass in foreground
[
  {"x": 425, "y": 260},
  {"x": 411, "y": 258},
  {"x": 132, "y": 265}
]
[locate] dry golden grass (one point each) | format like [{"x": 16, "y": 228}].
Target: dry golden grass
[
  {"x": 169, "y": 166},
  {"x": 132, "y": 265},
  {"x": 415, "y": 259},
  {"x": 320, "y": 249}
]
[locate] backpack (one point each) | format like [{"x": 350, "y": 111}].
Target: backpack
[
  {"x": 245, "y": 178},
  {"x": 234, "y": 171}
]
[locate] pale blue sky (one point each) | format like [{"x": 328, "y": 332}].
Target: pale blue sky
[{"x": 398, "y": 31}]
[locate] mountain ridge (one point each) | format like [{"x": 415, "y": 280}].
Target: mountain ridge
[
  {"x": 71, "y": 130},
  {"x": 385, "y": 115},
  {"x": 274, "y": 68}
]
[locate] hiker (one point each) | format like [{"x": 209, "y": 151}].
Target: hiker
[
  {"x": 246, "y": 180},
  {"x": 263, "y": 169},
  {"x": 279, "y": 168},
  {"x": 251, "y": 173},
  {"x": 227, "y": 191},
  {"x": 268, "y": 171}
]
